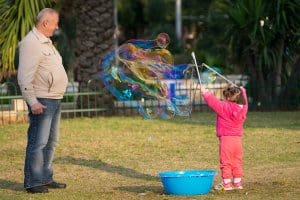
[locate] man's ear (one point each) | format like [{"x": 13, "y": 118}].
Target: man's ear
[{"x": 45, "y": 23}]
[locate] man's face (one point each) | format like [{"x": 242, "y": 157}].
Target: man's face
[{"x": 51, "y": 24}]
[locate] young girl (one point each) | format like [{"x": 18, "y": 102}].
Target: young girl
[{"x": 231, "y": 114}]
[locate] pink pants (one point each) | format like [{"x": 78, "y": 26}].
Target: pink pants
[{"x": 231, "y": 154}]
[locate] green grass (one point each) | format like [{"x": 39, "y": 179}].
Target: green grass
[{"x": 120, "y": 157}]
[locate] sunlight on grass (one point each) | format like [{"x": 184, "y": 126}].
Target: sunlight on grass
[{"x": 120, "y": 157}]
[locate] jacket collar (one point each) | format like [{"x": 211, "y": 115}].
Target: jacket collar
[{"x": 42, "y": 38}]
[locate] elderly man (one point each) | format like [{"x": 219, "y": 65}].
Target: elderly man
[{"x": 43, "y": 81}]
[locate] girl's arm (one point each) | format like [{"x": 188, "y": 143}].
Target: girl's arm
[
  {"x": 244, "y": 95},
  {"x": 212, "y": 101}
]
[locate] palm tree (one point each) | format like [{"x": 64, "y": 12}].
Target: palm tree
[
  {"x": 95, "y": 37},
  {"x": 94, "y": 34},
  {"x": 17, "y": 18}
]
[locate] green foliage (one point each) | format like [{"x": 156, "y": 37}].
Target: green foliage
[
  {"x": 17, "y": 18},
  {"x": 68, "y": 98},
  {"x": 64, "y": 46},
  {"x": 242, "y": 28},
  {"x": 66, "y": 38},
  {"x": 259, "y": 37},
  {"x": 159, "y": 16},
  {"x": 4, "y": 101},
  {"x": 150, "y": 18},
  {"x": 131, "y": 17}
]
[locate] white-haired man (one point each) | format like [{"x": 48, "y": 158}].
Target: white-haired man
[{"x": 43, "y": 81}]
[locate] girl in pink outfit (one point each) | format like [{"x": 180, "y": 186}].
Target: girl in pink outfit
[{"x": 231, "y": 115}]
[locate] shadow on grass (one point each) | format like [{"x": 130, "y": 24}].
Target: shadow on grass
[
  {"x": 10, "y": 185},
  {"x": 98, "y": 164},
  {"x": 142, "y": 190}
]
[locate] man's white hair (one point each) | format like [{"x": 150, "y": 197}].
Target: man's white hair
[{"x": 40, "y": 17}]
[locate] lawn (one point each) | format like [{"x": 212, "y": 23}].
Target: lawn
[{"x": 120, "y": 157}]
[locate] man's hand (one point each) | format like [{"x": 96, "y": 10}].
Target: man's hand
[{"x": 37, "y": 108}]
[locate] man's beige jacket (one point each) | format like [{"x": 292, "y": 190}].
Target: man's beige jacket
[{"x": 41, "y": 73}]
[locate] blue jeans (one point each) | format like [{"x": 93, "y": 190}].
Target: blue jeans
[{"x": 42, "y": 138}]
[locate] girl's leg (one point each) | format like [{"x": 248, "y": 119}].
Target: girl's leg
[
  {"x": 237, "y": 159},
  {"x": 225, "y": 154},
  {"x": 237, "y": 163}
]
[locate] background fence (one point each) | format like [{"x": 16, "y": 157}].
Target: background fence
[{"x": 94, "y": 100}]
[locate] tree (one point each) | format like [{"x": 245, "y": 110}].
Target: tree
[
  {"x": 262, "y": 39},
  {"x": 132, "y": 24},
  {"x": 17, "y": 18},
  {"x": 95, "y": 31}
]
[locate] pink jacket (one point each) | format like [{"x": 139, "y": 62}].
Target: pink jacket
[{"x": 230, "y": 116}]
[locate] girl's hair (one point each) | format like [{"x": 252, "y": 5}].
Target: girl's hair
[{"x": 234, "y": 94}]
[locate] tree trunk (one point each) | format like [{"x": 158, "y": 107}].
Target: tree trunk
[
  {"x": 291, "y": 94},
  {"x": 95, "y": 37},
  {"x": 257, "y": 82},
  {"x": 278, "y": 69}
]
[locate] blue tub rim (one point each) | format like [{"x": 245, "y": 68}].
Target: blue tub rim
[{"x": 187, "y": 173}]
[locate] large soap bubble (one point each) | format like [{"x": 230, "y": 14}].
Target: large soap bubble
[{"x": 142, "y": 74}]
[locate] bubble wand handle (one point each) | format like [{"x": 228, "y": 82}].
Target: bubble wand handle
[
  {"x": 208, "y": 67},
  {"x": 195, "y": 61}
]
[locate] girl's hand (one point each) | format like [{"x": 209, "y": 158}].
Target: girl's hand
[
  {"x": 203, "y": 89},
  {"x": 242, "y": 88}
]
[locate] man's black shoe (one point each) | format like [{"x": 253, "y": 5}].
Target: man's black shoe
[
  {"x": 37, "y": 189},
  {"x": 56, "y": 185}
]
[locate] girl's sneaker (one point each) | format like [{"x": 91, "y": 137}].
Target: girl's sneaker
[
  {"x": 223, "y": 186},
  {"x": 238, "y": 186}
]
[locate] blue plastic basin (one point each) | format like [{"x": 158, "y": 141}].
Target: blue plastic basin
[{"x": 187, "y": 182}]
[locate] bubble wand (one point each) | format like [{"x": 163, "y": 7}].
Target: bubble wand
[
  {"x": 208, "y": 67},
  {"x": 195, "y": 61}
]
